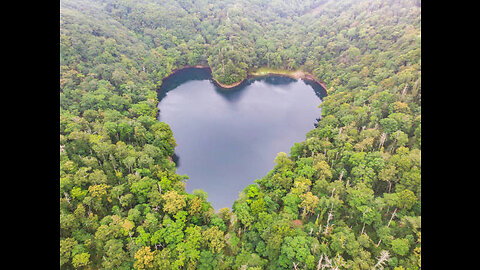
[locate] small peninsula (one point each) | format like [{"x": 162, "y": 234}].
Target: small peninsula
[{"x": 262, "y": 71}]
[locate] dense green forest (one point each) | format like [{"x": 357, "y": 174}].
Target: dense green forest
[{"x": 348, "y": 197}]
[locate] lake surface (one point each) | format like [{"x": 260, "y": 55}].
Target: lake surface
[{"x": 227, "y": 138}]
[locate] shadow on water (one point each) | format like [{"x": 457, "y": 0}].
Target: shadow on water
[
  {"x": 225, "y": 157},
  {"x": 317, "y": 88},
  {"x": 232, "y": 94},
  {"x": 200, "y": 74},
  {"x": 176, "y": 159},
  {"x": 276, "y": 80},
  {"x": 183, "y": 76}
]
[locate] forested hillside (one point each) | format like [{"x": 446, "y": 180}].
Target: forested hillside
[{"x": 348, "y": 197}]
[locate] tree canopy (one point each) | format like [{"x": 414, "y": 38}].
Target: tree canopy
[{"x": 348, "y": 197}]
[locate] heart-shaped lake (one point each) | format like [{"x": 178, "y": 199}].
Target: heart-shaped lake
[{"x": 227, "y": 138}]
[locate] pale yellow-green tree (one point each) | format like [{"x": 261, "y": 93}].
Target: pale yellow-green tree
[
  {"x": 173, "y": 202},
  {"x": 309, "y": 202},
  {"x": 214, "y": 238},
  {"x": 144, "y": 258}
]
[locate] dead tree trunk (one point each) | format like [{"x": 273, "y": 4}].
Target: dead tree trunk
[
  {"x": 383, "y": 137},
  {"x": 393, "y": 215},
  {"x": 320, "y": 262},
  {"x": 66, "y": 197},
  {"x": 328, "y": 222},
  {"x": 388, "y": 225},
  {"x": 384, "y": 256},
  {"x": 404, "y": 90}
]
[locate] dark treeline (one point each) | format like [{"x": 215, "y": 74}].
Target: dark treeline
[{"x": 348, "y": 197}]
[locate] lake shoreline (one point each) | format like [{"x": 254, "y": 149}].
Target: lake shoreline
[
  {"x": 294, "y": 74},
  {"x": 227, "y": 138},
  {"x": 297, "y": 74}
]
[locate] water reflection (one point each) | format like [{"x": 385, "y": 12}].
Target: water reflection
[
  {"x": 277, "y": 80},
  {"x": 182, "y": 76},
  {"x": 176, "y": 159},
  {"x": 227, "y": 138},
  {"x": 317, "y": 88},
  {"x": 232, "y": 94}
]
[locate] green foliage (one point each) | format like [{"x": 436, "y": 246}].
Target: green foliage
[
  {"x": 400, "y": 246},
  {"x": 348, "y": 192}
]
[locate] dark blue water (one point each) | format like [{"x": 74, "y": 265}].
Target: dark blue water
[{"x": 227, "y": 138}]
